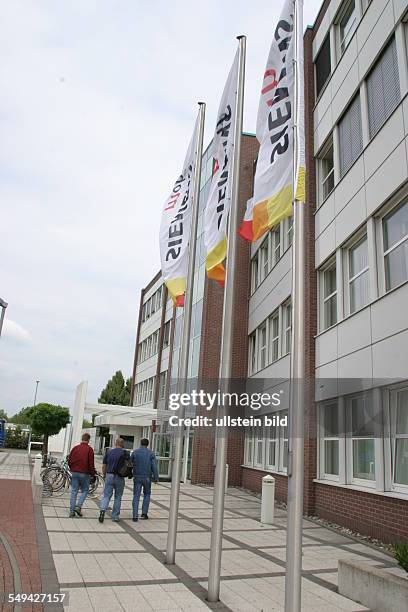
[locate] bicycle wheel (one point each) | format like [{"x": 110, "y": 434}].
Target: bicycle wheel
[{"x": 95, "y": 484}]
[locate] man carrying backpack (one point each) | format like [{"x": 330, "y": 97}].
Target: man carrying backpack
[{"x": 116, "y": 466}]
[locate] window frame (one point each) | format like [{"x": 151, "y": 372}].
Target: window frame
[
  {"x": 393, "y": 416},
  {"x": 388, "y": 212},
  {"x": 323, "y": 299},
  {"x": 321, "y": 197},
  {"x": 350, "y": 439},
  {"x": 361, "y": 235},
  {"x": 323, "y": 438},
  {"x": 343, "y": 13}
]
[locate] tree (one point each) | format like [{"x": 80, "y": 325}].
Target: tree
[
  {"x": 48, "y": 420},
  {"x": 116, "y": 391},
  {"x": 86, "y": 424},
  {"x": 3, "y": 414},
  {"x": 23, "y": 417},
  {"x": 15, "y": 438}
]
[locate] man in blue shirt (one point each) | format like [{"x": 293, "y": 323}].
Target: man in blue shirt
[
  {"x": 114, "y": 483},
  {"x": 144, "y": 469}
]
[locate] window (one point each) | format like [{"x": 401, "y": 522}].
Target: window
[
  {"x": 351, "y": 136},
  {"x": 248, "y": 446},
  {"x": 276, "y": 245},
  {"x": 330, "y": 439},
  {"x": 274, "y": 335},
  {"x": 166, "y": 334},
  {"x": 264, "y": 254},
  {"x": 254, "y": 272},
  {"x": 362, "y": 439},
  {"x": 267, "y": 447},
  {"x": 271, "y": 447},
  {"x": 347, "y": 25},
  {"x": 359, "y": 289},
  {"x": 262, "y": 346},
  {"x": 399, "y": 447},
  {"x": 287, "y": 330},
  {"x": 162, "y": 385},
  {"x": 252, "y": 353},
  {"x": 329, "y": 297},
  {"x": 322, "y": 66},
  {"x": 325, "y": 169},
  {"x": 290, "y": 230},
  {"x": 395, "y": 241},
  {"x": 383, "y": 88}
]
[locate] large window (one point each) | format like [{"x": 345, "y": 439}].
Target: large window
[
  {"x": 328, "y": 302},
  {"x": 383, "y": 88},
  {"x": 322, "y": 66},
  {"x": 358, "y": 280},
  {"x": 351, "y": 136},
  {"x": 399, "y": 424},
  {"x": 362, "y": 441},
  {"x": 330, "y": 439},
  {"x": 325, "y": 170},
  {"x": 271, "y": 340},
  {"x": 395, "y": 241},
  {"x": 347, "y": 25},
  {"x": 266, "y": 448}
]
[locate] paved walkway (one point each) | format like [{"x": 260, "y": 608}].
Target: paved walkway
[
  {"x": 119, "y": 566},
  {"x": 19, "y": 559}
]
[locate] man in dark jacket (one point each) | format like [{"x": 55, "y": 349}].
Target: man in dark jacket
[
  {"x": 82, "y": 465},
  {"x": 114, "y": 483},
  {"x": 144, "y": 469}
]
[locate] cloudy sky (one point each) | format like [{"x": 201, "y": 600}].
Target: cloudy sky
[{"x": 97, "y": 106}]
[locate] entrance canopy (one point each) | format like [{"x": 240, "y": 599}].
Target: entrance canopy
[{"x": 107, "y": 414}]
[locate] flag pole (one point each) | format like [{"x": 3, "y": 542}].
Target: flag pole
[
  {"x": 225, "y": 371},
  {"x": 185, "y": 346},
  {"x": 296, "y": 415}
]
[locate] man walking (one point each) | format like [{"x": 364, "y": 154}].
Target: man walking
[
  {"x": 82, "y": 465},
  {"x": 144, "y": 468},
  {"x": 114, "y": 481}
]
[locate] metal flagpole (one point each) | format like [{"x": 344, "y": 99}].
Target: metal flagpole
[
  {"x": 185, "y": 345},
  {"x": 226, "y": 344},
  {"x": 296, "y": 417}
]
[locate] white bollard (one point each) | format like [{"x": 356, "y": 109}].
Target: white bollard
[
  {"x": 226, "y": 477},
  {"x": 37, "y": 469},
  {"x": 268, "y": 500}
]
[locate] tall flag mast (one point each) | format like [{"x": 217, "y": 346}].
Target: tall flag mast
[
  {"x": 296, "y": 419},
  {"x": 222, "y": 181},
  {"x": 182, "y": 291}
]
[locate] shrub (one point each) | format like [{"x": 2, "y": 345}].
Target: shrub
[
  {"x": 15, "y": 438},
  {"x": 401, "y": 555}
]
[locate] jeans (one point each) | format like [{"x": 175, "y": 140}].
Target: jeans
[
  {"x": 113, "y": 483},
  {"x": 140, "y": 482},
  {"x": 79, "y": 481}
]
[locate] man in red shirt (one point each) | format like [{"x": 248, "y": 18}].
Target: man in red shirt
[{"x": 82, "y": 466}]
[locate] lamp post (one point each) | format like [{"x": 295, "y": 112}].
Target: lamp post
[
  {"x": 3, "y": 306},
  {"x": 35, "y": 394}
]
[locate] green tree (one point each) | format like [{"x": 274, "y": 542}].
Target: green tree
[
  {"x": 3, "y": 415},
  {"x": 23, "y": 417},
  {"x": 116, "y": 391},
  {"x": 48, "y": 420},
  {"x": 15, "y": 438},
  {"x": 86, "y": 424}
]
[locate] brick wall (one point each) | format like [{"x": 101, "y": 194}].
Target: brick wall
[
  {"x": 252, "y": 480},
  {"x": 378, "y": 516}
]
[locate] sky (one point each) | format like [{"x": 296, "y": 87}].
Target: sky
[{"x": 98, "y": 103}]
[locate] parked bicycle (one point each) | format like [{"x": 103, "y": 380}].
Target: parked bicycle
[{"x": 57, "y": 479}]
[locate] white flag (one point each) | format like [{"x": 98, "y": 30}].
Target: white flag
[
  {"x": 273, "y": 183},
  {"x": 218, "y": 203},
  {"x": 175, "y": 227}
]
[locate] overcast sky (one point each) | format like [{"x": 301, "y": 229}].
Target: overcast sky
[{"x": 98, "y": 100}]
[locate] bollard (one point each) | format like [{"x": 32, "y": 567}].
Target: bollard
[
  {"x": 37, "y": 469},
  {"x": 268, "y": 500},
  {"x": 226, "y": 477}
]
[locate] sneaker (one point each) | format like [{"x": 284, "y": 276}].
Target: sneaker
[
  {"x": 72, "y": 515},
  {"x": 135, "y": 519},
  {"x": 115, "y": 519},
  {"x": 78, "y": 511},
  {"x": 144, "y": 517},
  {"x": 101, "y": 516}
]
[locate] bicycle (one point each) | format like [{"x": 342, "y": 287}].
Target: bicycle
[{"x": 57, "y": 479}]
